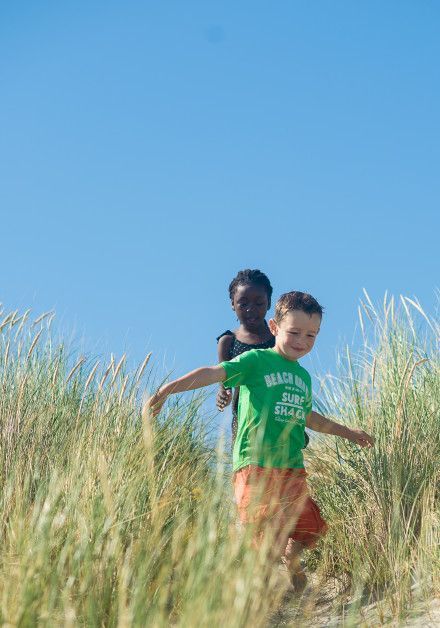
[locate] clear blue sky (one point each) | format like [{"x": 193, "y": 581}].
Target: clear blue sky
[{"x": 150, "y": 150}]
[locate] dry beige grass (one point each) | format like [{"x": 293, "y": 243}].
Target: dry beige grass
[{"x": 105, "y": 521}]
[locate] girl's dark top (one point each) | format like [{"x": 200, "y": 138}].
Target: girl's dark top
[{"x": 237, "y": 347}]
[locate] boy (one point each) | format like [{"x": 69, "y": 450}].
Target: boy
[{"x": 275, "y": 406}]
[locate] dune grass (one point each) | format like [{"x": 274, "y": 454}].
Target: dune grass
[
  {"x": 383, "y": 504},
  {"x": 110, "y": 522}
]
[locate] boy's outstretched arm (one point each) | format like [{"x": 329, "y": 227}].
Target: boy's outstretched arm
[
  {"x": 199, "y": 378},
  {"x": 320, "y": 423}
]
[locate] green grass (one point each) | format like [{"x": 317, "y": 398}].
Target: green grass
[
  {"x": 383, "y": 504},
  {"x": 108, "y": 522}
]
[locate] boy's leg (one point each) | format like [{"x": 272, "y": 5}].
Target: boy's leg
[
  {"x": 285, "y": 519},
  {"x": 292, "y": 560},
  {"x": 307, "y": 526}
]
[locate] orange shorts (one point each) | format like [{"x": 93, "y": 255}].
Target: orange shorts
[{"x": 278, "y": 500}]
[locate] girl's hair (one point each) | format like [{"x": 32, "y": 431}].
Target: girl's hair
[
  {"x": 250, "y": 277},
  {"x": 296, "y": 300}
]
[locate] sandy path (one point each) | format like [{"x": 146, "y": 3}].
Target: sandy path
[{"x": 333, "y": 609}]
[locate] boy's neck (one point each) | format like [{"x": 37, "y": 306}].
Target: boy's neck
[{"x": 278, "y": 350}]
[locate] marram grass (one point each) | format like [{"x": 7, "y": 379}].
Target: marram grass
[
  {"x": 383, "y": 504},
  {"x": 106, "y": 521}
]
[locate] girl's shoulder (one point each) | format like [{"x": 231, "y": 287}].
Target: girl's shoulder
[
  {"x": 225, "y": 345},
  {"x": 226, "y": 334}
]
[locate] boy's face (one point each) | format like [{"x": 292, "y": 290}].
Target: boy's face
[{"x": 295, "y": 335}]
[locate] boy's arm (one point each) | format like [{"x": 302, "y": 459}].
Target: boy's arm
[
  {"x": 195, "y": 379},
  {"x": 319, "y": 423}
]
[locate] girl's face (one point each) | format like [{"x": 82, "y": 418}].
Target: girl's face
[{"x": 250, "y": 303}]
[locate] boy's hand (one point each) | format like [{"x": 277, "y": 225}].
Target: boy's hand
[
  {"x": 223, "y": 399},
  {"x": 154, "y": 404},
  {"x": 360, "y": 437}
]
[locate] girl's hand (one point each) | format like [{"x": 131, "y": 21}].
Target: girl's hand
[
  {"x": 223, "y": 399},
  {"x": 361, "y": 438}
]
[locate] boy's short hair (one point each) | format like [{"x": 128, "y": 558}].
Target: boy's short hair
[{"x": 296, "y": 300}]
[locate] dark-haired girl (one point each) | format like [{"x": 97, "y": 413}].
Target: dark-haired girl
[{"x": 250, "y": 293}]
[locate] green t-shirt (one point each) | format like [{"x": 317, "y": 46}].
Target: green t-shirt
[{"x": 275, "y": 399}]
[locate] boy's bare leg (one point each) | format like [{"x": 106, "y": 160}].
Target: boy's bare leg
[{"x": 292, "y": 560}]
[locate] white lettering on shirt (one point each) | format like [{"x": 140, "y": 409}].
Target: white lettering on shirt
[{"x": 283, "y": 377}]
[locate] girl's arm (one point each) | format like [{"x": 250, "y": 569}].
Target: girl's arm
[
  {"x": 320, "y": 423},
  {"x": 195, "y": 379},
  {"x": 223, "y": 347},
  {"x": 224, "y": 396}
]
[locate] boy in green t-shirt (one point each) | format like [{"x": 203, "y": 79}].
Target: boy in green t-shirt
[{"x": 275, "y": 405}]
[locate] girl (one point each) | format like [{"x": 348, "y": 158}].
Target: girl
[{"x": 250, "y": 293}]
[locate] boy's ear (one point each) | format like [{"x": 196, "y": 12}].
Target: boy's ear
[{"x": 273, "y": 327}]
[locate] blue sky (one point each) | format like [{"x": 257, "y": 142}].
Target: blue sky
[{"x": 150, "y": 150}]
